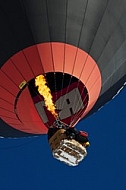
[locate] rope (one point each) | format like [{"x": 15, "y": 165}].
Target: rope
[
  {"x": 50, "y": 36},
  {"x": 76, "y": 51},
  {"x": 21, "y": 145},
  {"x": 89, "y": 52},
  {"x": 18, "y": 42},
  {"x": 64, "y": 50}
]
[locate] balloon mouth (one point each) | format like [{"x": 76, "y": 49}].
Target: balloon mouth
[{"x": 68, "y": 95}]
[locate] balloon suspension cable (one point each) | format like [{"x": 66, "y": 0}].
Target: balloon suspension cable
[
  {"x": 76, "y": 49},
  {"x": 55, "y": 83},
  {"x": 66, "y": 92},
  {"x": 89, "y": 51},
  {"x": 64, "y": 57},
  {"x": 61, "y": 92},
  {"x": 51, "y": 47},
  {"x": 27, "y": 83},
  {"x": 77, "y": 115},
  {"x": 79, "y": 81}
]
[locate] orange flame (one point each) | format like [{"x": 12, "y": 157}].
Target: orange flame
[{"x": 44, "y": 90}]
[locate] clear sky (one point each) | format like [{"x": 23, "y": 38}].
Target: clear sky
[{"x": 27, "y": 164}]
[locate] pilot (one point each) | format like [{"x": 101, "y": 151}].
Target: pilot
[
  {"x": 71, "y": 133},
  {"x": 80, "y": 136}
]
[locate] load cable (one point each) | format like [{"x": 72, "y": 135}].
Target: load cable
[
  {"x": 64, "y": 56},
  {"x": 90, "y": 49},
  {"x": 79, "y": 37}
]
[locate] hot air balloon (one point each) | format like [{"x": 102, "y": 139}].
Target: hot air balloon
[{"x": 79, "y": 48}]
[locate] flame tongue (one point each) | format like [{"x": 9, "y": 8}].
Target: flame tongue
[{"x": 44, "y": 90}]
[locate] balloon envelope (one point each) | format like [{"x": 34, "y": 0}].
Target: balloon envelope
[{"x": 79, "y": 45}]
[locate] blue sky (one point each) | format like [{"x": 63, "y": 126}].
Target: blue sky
[{"x": 27, "y": 164}]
